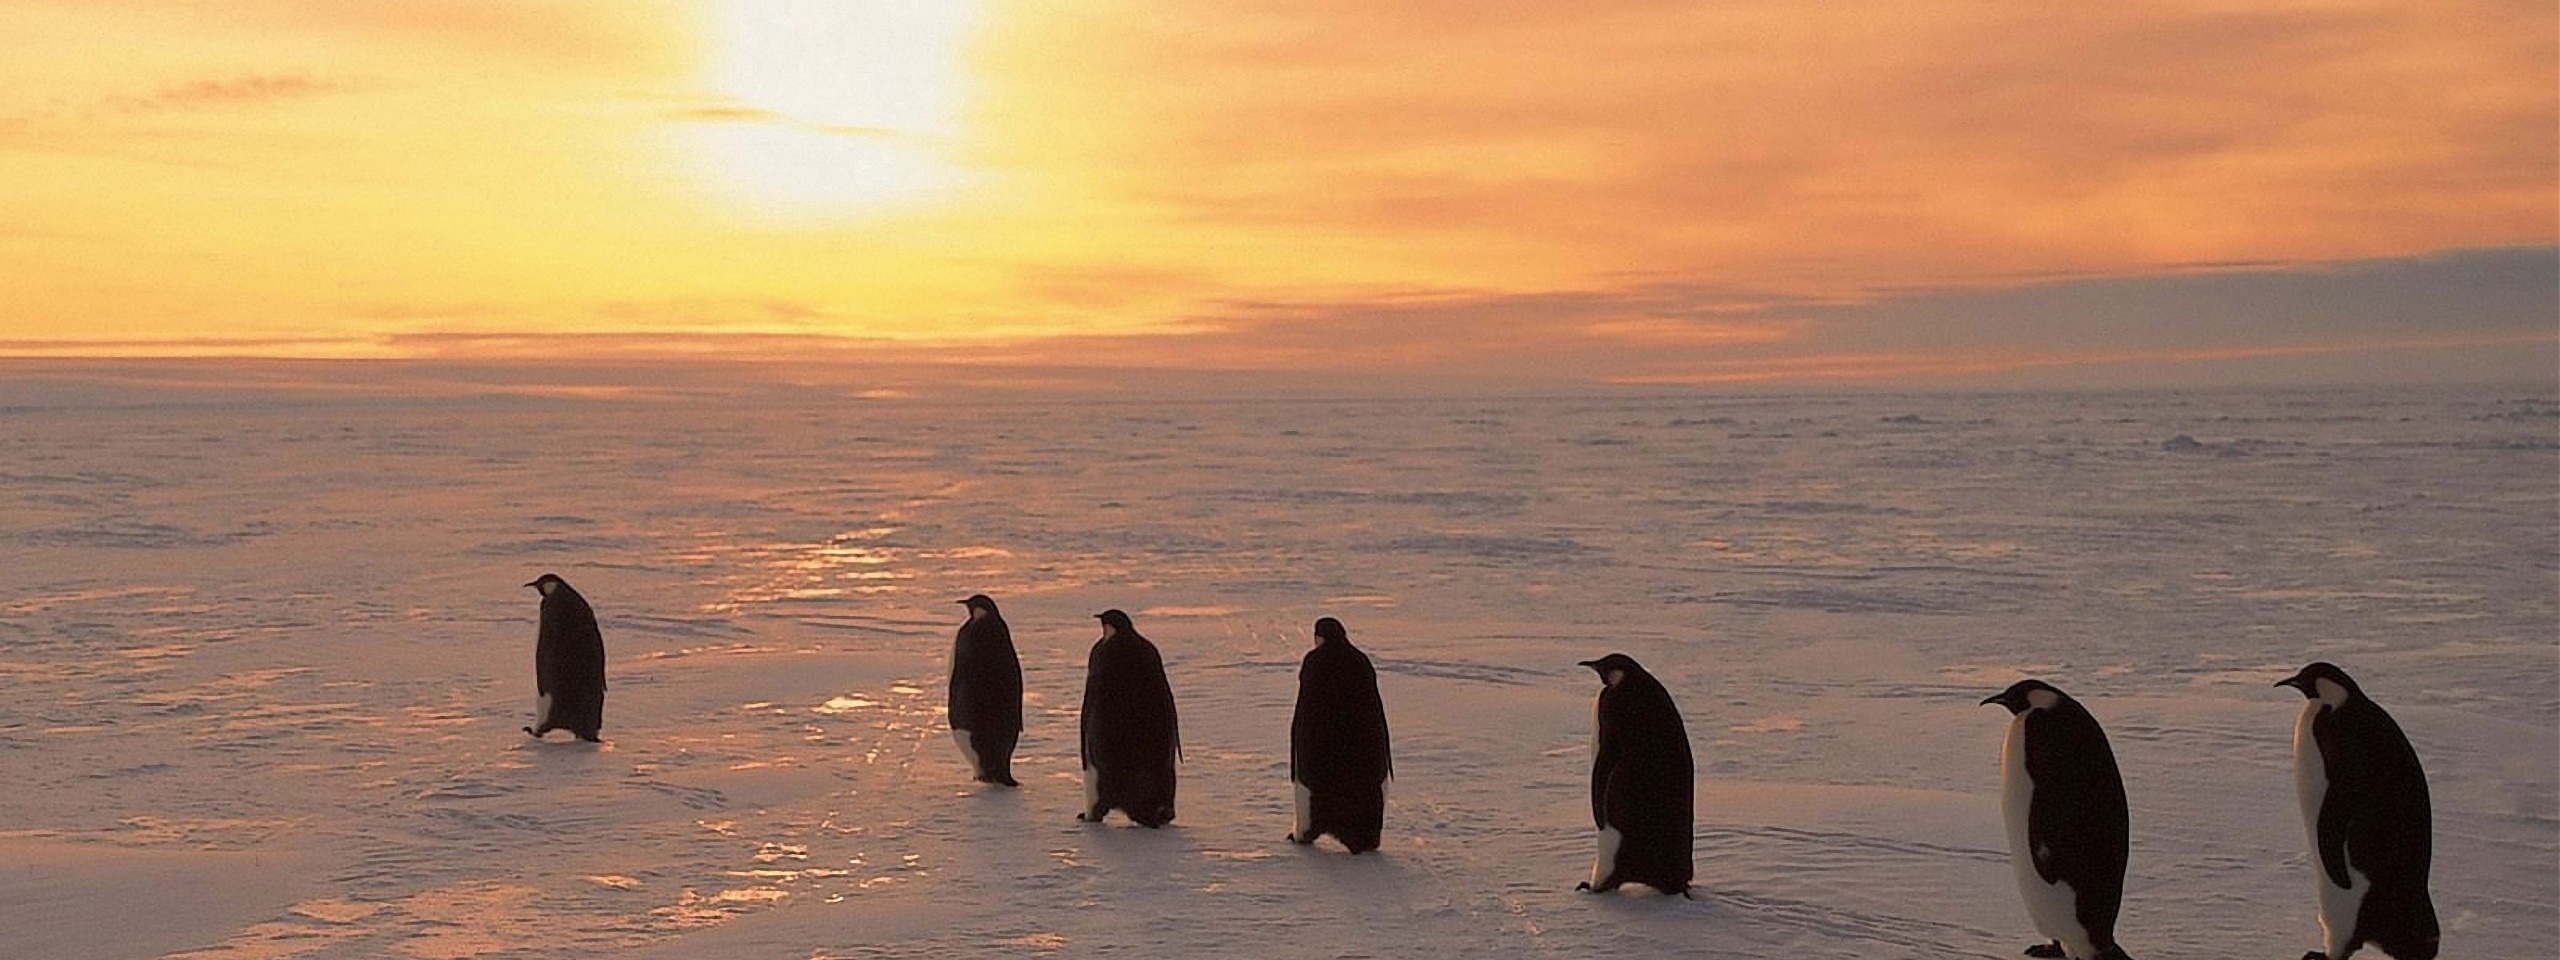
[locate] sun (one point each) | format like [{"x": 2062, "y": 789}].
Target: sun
[{"x": 827, "y": 108}]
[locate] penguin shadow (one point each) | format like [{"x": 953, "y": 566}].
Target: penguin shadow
[
  {"x": 991, "y": 809},
  {"x": 989, "y": 795},
  {"x": 1145, "y": 851},
  {"x": 1337, "y": 864},
  {"x": 1636, "y": 903},
  {"x": 571, "y": 753}
]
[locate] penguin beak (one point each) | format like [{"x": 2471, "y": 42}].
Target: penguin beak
[
  {"x": 1593, "y": 664},
  {"x": 534, "y": 583},
  {"x": 2294, "y": 681},
  {"x": 1989, "y": 700}
]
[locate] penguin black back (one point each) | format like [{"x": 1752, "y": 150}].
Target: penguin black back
[
  {"x": 2078, "y": 824},
  {"x": 1130, "y": 738},
  {"x": 1339, "y": 761},
  {"x": 985, "y": 699},
  {"x": 2371, "y": 817},
  {"x": 1643, "y": 786},
  {"x": 568, "y": 663}
]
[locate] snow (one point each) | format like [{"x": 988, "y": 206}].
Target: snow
[{"x": 264, "y": 651}]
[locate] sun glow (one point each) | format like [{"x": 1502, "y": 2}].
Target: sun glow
[{"x": 829, "y": 108}]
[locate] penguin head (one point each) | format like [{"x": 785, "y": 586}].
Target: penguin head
[
  {"x": 2026, "y": 695},
  {"x": 1329, "y": 630},
  {"x": 979, "y": 606},
  {"x": 548, "y": 583},
  {"x": 1614, "y": 668},
  {"x": 2323, "y": 681},
  {"x": 1115, "y": 623}
]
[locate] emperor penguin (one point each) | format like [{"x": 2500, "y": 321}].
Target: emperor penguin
[
  {"x": 986, "y": 693},
  {"x": 568, "y": 663},
  {"x": 2068, "y": 824},
  {"x": 2364, "y": 804},
  {"x": 1130, "y": 739},
  {"x": 1643, "y": 795},
  {"x": 1338, "y": 760}
]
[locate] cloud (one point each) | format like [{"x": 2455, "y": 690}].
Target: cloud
[
  {"x": 723, "y": 113},
  {"x": 1817, "y": 146},
  {"x": 556, "y": 31},
  {"x": 228, "y": 91},
  {"x": 2469, "y": 315},
  {"x": 2483, "y": 304},
  {"x": 240, "y": 90},
  {"x": 175, "y": 347},
  {"x": 2479, "y": 316}
]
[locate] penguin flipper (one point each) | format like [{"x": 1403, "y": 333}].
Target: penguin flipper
[
  {"x": 2046, "y": 951},
  {"x": 1604, "y": 767},
  {"x": 2335, "y": 822}
]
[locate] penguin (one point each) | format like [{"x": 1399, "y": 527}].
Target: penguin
[
  {"x": 1643, "y": 795},
  {"x": 2364, "y": 804},
  {"x": 1338, "y": 760},
  {"x": 2068, "y": 824},
  {"x": 568, "y": 663},
  {"x": 1130, "y": 739},
  {"x": 986, "y": 693}
]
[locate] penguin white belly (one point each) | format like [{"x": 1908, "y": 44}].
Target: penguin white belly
[
  {"x": 2338, "y": 906},
  {"x": 1302, "y": 822},
  {"x": 542, "y": 712},
  {"x": 967, "y": 752},
  {"x": 1606, "y": 861},
  {"x": 1092, "y": 787},
  {"x": 2054, "y": 907}
]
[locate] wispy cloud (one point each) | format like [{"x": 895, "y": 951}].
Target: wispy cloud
[
  {"x": 1823, "y": 145},
  {"x": 2495, "y": 308},
  {"x": 208, "y": 93},
  {"x": 229, "y": 91}
]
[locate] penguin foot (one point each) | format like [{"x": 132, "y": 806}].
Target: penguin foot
[
  {"x": 590, "y": 737},
  {"x": 528, "y": 731},
  {"x": 1583, "y": 887},
  {"x": 2047, "y": 951},
  {"x": 2315, "y": 955},
  {"x": 1301, "y": 841}
]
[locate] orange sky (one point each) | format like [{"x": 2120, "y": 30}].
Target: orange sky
[{"x": 1708, "y": 183}]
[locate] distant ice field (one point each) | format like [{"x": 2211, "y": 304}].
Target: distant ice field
[{"x": 264, "y": 654}]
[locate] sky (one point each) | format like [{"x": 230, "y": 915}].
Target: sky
[{"x": 1653, "y": 192}]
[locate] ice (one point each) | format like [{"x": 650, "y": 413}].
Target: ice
[{"x": 264, "y": 651}]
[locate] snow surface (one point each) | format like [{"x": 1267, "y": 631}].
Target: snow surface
[{"x": 264, "y": 653}]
